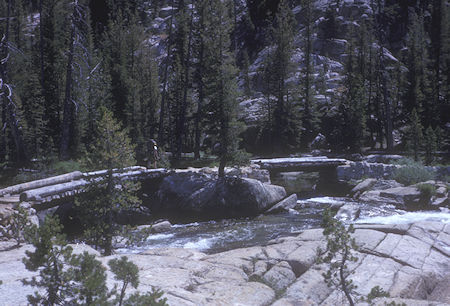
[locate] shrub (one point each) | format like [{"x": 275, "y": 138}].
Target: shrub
[
  {"x": 426, "y": 190},
  {"x": 376, "y": 292},
  {"x": 49, "y": 256},
  {"x": 70, "y": 279},
  {"x": 62, "y": 167},
  {"x": 412, "y": 173},
  {"x": 17, "y": 225},
  {"x": 340, "y": 251}
]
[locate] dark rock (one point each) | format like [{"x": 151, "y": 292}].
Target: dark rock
[{"x": 194, "y": 194}]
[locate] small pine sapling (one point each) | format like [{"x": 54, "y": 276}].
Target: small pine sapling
[
  {"x": 106, "y": 196},
  {"x": 339, "y": 252},
  {"x": 128, "y": 273},
  {"x": 376, "y": 292},
  {"x": 88, "y": 281},
  {"x": 51, "y": 251},
  {"x": 125, "y": 271}
]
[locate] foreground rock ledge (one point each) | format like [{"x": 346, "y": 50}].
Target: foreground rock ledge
[{"x": 411, "y": 262}]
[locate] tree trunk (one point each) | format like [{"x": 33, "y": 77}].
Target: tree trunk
[
  {"x": 182, "y": 119},
  {"x": 161, "y": 139},
  {"x": 343, "y": 280},
  {"x": 8, "y": 113},
  {"x": 198, "y": 115},
  {"x": 68, "y": 107}
]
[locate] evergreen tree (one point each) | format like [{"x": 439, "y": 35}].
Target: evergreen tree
[
  {"x": 9, "y": 111},
  {"x": 113, "y": 152},
  {"x": 221, "y": 83},
  {"x": 48, "y": 68},
  {"x": 50, "y": 253},
  {"x": 414, "y": 136},
  {"x": 77, "y": 52},
  {"x": 285, "y": 126},
  {"x": 352, "y": 106},
  {"x": 310, "y": 120},
  {"x": 419, "y": 88},
  {"x": 127, "y": 272},
  {"x": 87, "y": 281},
  {"x": 180, "y": 82},
  {"x": 340, "y": 251},
  {"x": 200, "y": 70},
  {"x": 430, "y": 143}
]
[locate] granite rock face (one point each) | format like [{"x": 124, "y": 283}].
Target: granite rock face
[
  {"x": 198, "y": 194},
  {"x": 411, "y": 262}
]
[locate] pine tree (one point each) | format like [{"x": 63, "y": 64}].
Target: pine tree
[
  {"x": 353, "y": 105},
  {"x": 340, "y": 251},
  {"x": 87, "y": 281},
  {"x": 76, "y": 51},
  {"x": 283, "y": 114},
  {"x": 310, "y": 120},
  {"x": 221, "y": 83},
  {"x": 414, "y": 135},
  {"x": 180, "y": 83},
  {"x": 419, "y": 90},
  {"x": 48, "y": 68},
  {"x": 430, "y": 143},
  {"x": 112, "y": 152},
  {"x": 200, "y": 70},
  {"x": 9, "y": 112},
  {"x": 50, "y": 253}
]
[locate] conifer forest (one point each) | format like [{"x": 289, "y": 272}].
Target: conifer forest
[{"x": 229, "y": 78}]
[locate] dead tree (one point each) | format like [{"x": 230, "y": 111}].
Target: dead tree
[{"x": 9, "y": 115}]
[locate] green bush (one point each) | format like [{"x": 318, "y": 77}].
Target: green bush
[
  {"x": 412, "y": 173},
  {"x": 427, "y": 190},
  {"x": 62, "y": 167}
]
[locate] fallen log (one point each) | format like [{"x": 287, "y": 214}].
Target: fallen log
[
  {"x": 48, "y": 193},
  {"x": 40, "y": 193},
  {"x": 16, "y": 189}
]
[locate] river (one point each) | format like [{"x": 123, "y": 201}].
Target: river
[{"x": 222, "y": 235}]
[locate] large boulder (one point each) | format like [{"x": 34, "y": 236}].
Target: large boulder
[{"x": 199, "y": 195}]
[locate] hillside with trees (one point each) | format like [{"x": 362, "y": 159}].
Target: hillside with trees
[{"x": 224, "y": 77}]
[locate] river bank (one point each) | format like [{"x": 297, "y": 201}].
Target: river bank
[
  {"x": 268, "y": 256},
  {"x": 409, "y": 261}
]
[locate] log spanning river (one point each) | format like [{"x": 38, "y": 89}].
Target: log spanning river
[{"x": 217, "y": 236}]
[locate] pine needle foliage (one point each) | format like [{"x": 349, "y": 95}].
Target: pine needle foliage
[
  {"x": 338, "y": 254},
  {"x": 51, "y": 251},
  {"x": 107, "y": 194}
]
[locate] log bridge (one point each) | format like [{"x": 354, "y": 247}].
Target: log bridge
[
  {"x": 322, "y": 164},
  {"x": 44, "y": 193}
]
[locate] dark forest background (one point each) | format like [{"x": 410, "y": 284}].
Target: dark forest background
[{"x": 266, "y": 77}]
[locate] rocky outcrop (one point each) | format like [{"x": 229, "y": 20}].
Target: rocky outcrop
[
  {"x": 391, "y": 192},
  {"x": 358, "y": 170},
  {"x": 410, "y": 262},
  {"x": 285, "y": 205},
  {"x": 198, "y": 195}
]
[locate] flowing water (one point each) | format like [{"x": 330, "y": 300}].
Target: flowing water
[{"x": 217, "y": 236}]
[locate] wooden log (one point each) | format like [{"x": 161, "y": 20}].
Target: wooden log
[
  {"x": 16, "y": 189},
  {"x": 104, "y": 172},
  {"x": 298, "y": 164},
  {"x": 47, "y": 191}
]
